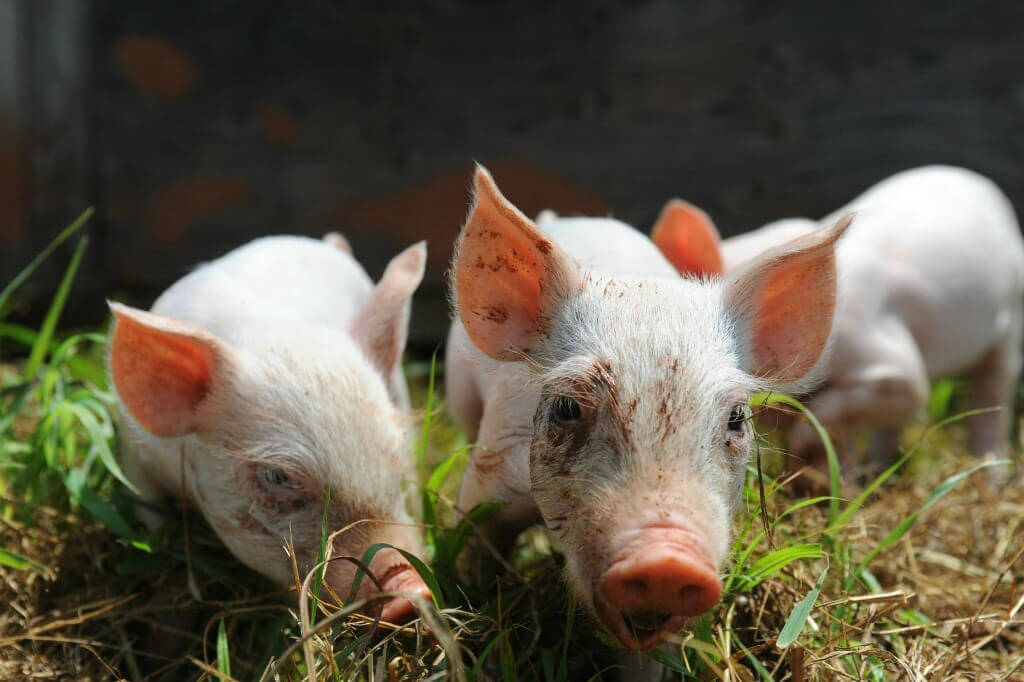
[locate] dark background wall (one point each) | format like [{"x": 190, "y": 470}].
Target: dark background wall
[{"x": 194, "y": 129}]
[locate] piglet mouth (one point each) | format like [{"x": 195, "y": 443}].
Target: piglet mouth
[
  {"x": 649, "y": 628},
  {"x": 662, "y": 576},
  {"x": 641, "y": 629},
  {"x": 407, "y": 583}
]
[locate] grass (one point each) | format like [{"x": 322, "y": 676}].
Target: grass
[{"x": 917, "y": 576}]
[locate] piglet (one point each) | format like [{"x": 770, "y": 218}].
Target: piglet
[
  {"x": 931, "y": 284},
  {"x": 608, "y": 396},
  {"x": 267, "y": 384}
]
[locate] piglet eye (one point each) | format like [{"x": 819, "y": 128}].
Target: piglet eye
[
  {"x": 275, "y": 477},
  {"x": 738, "y": 416},
  {"x": 566, "y": 410}
]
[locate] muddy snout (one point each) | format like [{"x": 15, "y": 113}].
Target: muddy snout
[
  {"x": 404, "y": 580},
  {"x": 661, "y": 576},
  {"x": 395, "y": 575}
]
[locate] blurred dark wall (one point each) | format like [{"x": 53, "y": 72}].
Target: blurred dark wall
[{"x": 195, "y": 129}]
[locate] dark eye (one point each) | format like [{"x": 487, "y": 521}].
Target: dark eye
[
  {"x": 275, "y": 477},
  {"x": 566, "y": 410},
  {"x": 737, "y": 419}
]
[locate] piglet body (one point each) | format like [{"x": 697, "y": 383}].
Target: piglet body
[
  {"x": 267, "y": 384},
  {"x": 931, "y": 284},
  {"x": 607, "y": 396}
]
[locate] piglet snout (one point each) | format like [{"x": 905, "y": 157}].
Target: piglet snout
[
  {"x": 661, "y": 577},
  {"x": 406, "y": 581}
]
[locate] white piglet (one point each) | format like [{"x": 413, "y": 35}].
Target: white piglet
[
  {"x": 931, "y": 284},
  {"x": 267, "y": 384},
  {"x": 608, "y": 396}
]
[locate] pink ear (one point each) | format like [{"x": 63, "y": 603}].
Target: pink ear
[
  {"x": 162, "y": 369},
  {"x": 783, "y": 302},
  {"x": 688, "y": 239},
  {"x": 508, "y": 275},
  {"x": 381, "y": 327}
]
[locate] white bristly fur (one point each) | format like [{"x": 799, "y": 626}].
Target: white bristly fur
[{"x": 299, "y": 394}]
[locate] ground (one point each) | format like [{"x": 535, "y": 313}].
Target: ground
[{"x": 919, "y": 575}]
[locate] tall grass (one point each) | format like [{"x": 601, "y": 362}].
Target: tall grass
[{"x": 57, "y": 451}]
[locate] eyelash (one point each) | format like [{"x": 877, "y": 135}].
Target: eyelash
[{"x": 565, "y": 410}]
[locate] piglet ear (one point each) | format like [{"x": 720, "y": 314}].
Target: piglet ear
[
  {"x": 508, "y": 276},
  {"x": 545, "y": 216},
  {"x": 686, "y": 237},
  {"x": 382, "y": 326},
  {"x": 783, "y": 303},
  {"x": 163, "y": 369}
]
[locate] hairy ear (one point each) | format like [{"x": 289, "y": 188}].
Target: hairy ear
[
  {"x": 382, "y": 326},
  {"x": 686, "y": 236},
  {"x": 163, "y": 369},
  {"x": 783, "y": 303},
  {"x": 509, "y": 277}
]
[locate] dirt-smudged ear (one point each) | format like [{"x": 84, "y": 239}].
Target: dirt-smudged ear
[
  {"x": 689, "y": 240},
  {"x": 382, "y": 326},
  {"x": 163, "y": 369},
  {"x": 509, "y": 277},
  {"x": 783, "y": 303}
]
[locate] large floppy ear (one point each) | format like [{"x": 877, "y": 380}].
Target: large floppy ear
[
  {"x": 163, "y": 369},
  {"x": 509, "y": 276},
  {"x": 783, "y": 302},
  {"x": 382, "y": 326},
  {"x": 686, "y": 237}
]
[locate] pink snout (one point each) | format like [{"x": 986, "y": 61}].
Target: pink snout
[
  {"x": 406, "y": 581},
  {"x": 664, "y": 575}
]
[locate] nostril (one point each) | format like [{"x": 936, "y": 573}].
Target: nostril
[
  {"x": 691, "y": 593},
  {"x": 636, "y": 586}
]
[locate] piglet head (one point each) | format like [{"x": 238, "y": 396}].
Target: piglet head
[
  {"x": 278, "y": 436},
  {"x": 642, "y": 430}
]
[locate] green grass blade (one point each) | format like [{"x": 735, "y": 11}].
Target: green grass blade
[
  {"x": 20, "y": 278},
  {"x": 440, "y": 473},
  {"x": 939, "y": 492},
  {"x": 941, "y": 398},
  {"x": 834, "y": 472},
  {"x": 88, "y": 369},
  {"x": 428, "y": 417},
  {"x": 428, "y": 576},
  {"x": 19, "y": 562},
  {"x": 672, "y": 662},
  {"x": 758, "y": 666},
  {"x": 321, "y": 554},
  {"x": 100, "y": 441},
  {"x": 570, "y": 618},
  {"x": 798, "y": 618},
  {"x": 859, "y": 501},
  {"x": 770, "y": 564},
  {"x": 548, "y": 664},
  {"x": 42, "y": 344},
  {"x": 223, "y": 655},
  {"x": 425, "y": 573},
  {"x": 106, "y": 513},
  {"x": 478, "y": 667},
  {"x": 847, "y": 514}
]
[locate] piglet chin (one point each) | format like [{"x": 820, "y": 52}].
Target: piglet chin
[
  {"x": 662, "y": 575},
  {"x": 406, "y": 581}
]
